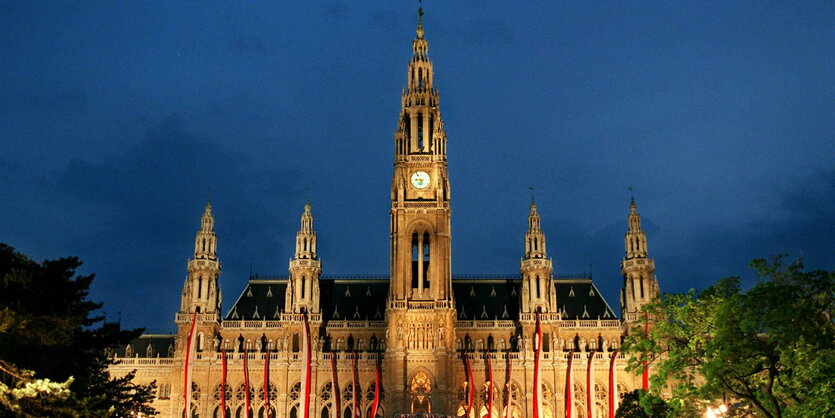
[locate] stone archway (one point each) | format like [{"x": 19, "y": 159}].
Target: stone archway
[{"x": 420, "y": 393}]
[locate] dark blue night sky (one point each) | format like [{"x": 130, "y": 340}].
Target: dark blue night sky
[{"x": 119, "y": 119}]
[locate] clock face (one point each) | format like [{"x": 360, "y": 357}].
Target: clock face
[{"x": 420, "y": 179}]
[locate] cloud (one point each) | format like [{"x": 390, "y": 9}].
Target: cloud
[
  {"x": 147, "y": 205},
  {"x": 803, "y": 226}
]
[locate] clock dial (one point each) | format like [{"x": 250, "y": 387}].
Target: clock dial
[{"x": 420, "y": 179}]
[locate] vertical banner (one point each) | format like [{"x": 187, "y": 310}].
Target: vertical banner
[
  {"x": 590, "y": 393},
  {"x": 334, "y": 388},
  {"x": 247, "y": 401},
  {"x": 188, "y": 368},
  {"x": 267, "y": 383},
  {"x": 613, "y": 389},
  {"x": 306, "y": 356},
  {"x": 569, "y": 387},
  {"x": 489, "y": 386},
  {"x": 377, "y": 383},
  {"x": 354, "y": 394},
  {"x": 470, "y": 385},
  {"x": 537, "y": 374},
  {"x": 223, "y": 380},
  {"x": 508, "y": 399},
  {"x": 645, "y": 374}
]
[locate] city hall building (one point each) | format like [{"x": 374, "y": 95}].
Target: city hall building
[{"x": 435, "y": 338}]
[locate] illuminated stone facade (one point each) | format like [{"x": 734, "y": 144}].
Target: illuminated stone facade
[{"x": 420, "y": 320}]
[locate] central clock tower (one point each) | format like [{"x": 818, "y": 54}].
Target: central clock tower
[
  {"x": 420, "y": 213},
  {"x": 421, "y": 313}
]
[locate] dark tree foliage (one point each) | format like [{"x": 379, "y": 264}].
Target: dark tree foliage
[
  {"x": 48, "y": 326},
  {"x": 640, "y": 404},
  {"x": 769, "y": 350}
]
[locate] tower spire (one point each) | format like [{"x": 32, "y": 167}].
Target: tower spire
[
  {"x": 305, "y": 268},
  {"x": 538, "y": 292},
  {"x": 201, "y": 290},
  {"x": 639, "y": 283}
]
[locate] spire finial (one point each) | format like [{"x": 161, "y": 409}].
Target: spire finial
[
  {"x": 533, "y": 201},
  {"x": 420, "y": 20},
  {"x": 631, "y": 196}
]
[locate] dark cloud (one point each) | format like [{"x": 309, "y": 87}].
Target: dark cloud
[
  {"x": 147, "y": 202},
  {"x": 803, "y": 226}
]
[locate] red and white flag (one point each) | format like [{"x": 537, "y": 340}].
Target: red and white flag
[
  {"x": 537, "y": 375},
  {"x": 187, "y": 370},
  {"x": 355, "y": 387},
  {"x": 334, "y": 388},
  {"x": 306, "y": 356},
  {"x": 470, "y": 385},
  {"x": 613, "y": 389},
  {"x": 489, "y": 386},
  {"x": 645, "y": 374},
  {"x": 247, "y": 401},
  {"x": 590, "y": 386},
  {"x": 569, "y": 387},
  {"x": 223, "y": 381},
  {"x": 509, "y": 375},
  {"x": 267, "y": 383},
  {"x": 377, "y": 383}
]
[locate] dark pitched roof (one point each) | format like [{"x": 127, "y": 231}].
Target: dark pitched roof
[
  {"x": 353, "y": 299},
  {"x": 485, "y": 299},
  {"x": 479, "y": 297},
  {"x": 260, "y": 299},
  {"x": 162, "y": 345},
  {"x": 580, "y": 299}
]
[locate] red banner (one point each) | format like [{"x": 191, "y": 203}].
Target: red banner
[
  {"x": 470, "y": 385},
  {"x": 188, "y": 367},
  {"x": 377, "y": 383},
  {"x": 590, "y": 385},
  {"x": 306, "y": 356},
  {"x": 247, "y": 401},
  {"x": 223, "y": 381},
  {"x": 645, "y": 374},
  {"x": 489, "y": 386},
  {"x": 509, "y": 376},
  {"x": 613, "y": 390},
  {"x": 354, "y": 395},
  {"x": 569, "y": 386},
  {"x": 267, "y": 384},
  {"x": 537, "y": 376},
  {"x": 334, "y": 387}
]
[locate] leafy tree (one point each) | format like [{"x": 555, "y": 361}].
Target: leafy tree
[
  {"x": 52, "y": 357},
  {"x": 640, "y": 404},
  {"x": 770, "y": 348}
]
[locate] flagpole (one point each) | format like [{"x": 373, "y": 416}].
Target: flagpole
[{"x": 223, "y": 381}]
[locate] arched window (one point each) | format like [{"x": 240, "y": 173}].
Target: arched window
[
  {"x": 199, "y": 342},
  {"x": 296, "y": 343},
  {"x": 420, "y": 391},
  {"x": 350, "y": 343},
  {"x": 373, "y": 343}
]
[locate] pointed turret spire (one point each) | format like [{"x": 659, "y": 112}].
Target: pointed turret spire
[
  {"x": 306, "y": 237},
  {"x": 420, "y": 130},
  {"x": 538, "y": 292},
  {"x": 302, "y": 294},
  {"x": 534, "y": 238},
  {"x": 205, "y": 243},
  {"x": 639, "y": 283},
  {"x": 635, "y": 240},
  {"x": 201, "y": 291}
]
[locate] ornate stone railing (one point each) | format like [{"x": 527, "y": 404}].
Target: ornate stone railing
[
  {"x": 590, "y": 323},
  {"x": 201, "y": 317},
  {"x": 355, "y": 324},
  {"x": 132, "y": 361},
  {"x": 485, "y": 324}
]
